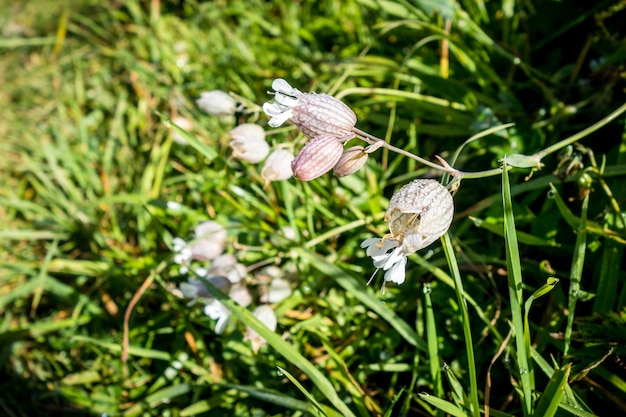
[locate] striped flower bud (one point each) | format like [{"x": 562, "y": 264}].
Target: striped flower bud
[
  {"x": 248, "y": 143},
  {"x": 351, "y": 161},
  {"x": 419, "y": 213},
  {"x": 317, "y": 157},
  {"x": 318, "y": 114},
  {"x": 314, "y": 114}
]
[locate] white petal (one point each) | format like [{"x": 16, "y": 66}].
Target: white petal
[
  {"x": 396, "y": 256},
  {"x": 374, "y": 247},
  {"x": 241, "y": 295},
  {"x": 396, "y": 273},
  {"x": 189, "y": 290},
  {"x": 215, "y": 310},
  {"x": 178, "y": 244},
  {"x": 285, "y": 100},
  {"x": 279, "y": 119},
  {"x": 282, "y": 86},
  {"x": 267, "y": 316},
  {"x": 414, "y": 242},
  {"x": 221, "y": 324},
  {"x": 369, "y": 242},
  {"x": 273, "y": 109},
  {"x": 278, "y": 290}
]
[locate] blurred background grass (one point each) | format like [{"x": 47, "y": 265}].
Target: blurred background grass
[{"x": 89, "y": 166}]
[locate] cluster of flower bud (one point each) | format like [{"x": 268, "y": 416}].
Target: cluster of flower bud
[
  {"x": 326, "y": 121},
  {"x": 247, "y": 140}
]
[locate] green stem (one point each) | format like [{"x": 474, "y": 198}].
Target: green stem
[
  {"x": 576, "y": 137},
  {"x": 467, "y": 331},
  {"x": 576, "y": 273},
  {"x": 371, "y": 139}
]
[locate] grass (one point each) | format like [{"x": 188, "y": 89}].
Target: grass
[{"x": 518, "y": 311}]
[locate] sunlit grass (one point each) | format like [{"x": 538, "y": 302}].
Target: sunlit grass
[{"x": 95, "y": 188}]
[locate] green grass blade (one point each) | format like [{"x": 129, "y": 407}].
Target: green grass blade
[
  {"x": 434, "y": 362},
  {"x": 541, "y": 291},
  {"x": 304, "y": 391},
  {"x": 551, "y": 398},
  {"x": 608, "y": 284},
  {"x": 443, "y": 405},
  {"x": 514, "y": 275},
  {"x": 278, "y": 398},
  {"x": 208, "y": 152},
  {"x": 288, "y": 351},
  {"x": 359, "y": 292},
  {"x": 576, "y": 273},
  {"x": 467, "y": 330}
]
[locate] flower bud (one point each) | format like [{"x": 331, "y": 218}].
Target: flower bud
[
  {"x": 216, "y": 103},
  {"x": 419, "y": 213},
  {"x": 317, "y": 157},
  {"x": 351, "y": 161},
  {"x": 277, "y": 166},
  {"x": 248, "y": 143},
  {"x": 318, "y": 114}
]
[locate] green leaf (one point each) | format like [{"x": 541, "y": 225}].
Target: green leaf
[
  {"x": 514, "y": 276},
  {"x": 443, "y": 405},
  {"x": 523, "y": 161},
  {"x": 550, "y": 400}
]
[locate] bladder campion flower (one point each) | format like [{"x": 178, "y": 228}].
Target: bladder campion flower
[
  {"x": 418, "y": 214},
  {"x": 209, "y": 241},
  {"x": 248, "y": 143},
  {"x": 216, "y": 103},
  {"x": 277, "y": 166},
  {"x": 314, "y": 114}
]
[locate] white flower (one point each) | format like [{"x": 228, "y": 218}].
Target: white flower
[
  {"x": 248, "y": 143},
  {"x": 286, "y": 98},
  {"x": 182, "y": 255},
  {"x": 266, "y": 315},
  {"x": 209, "y": 242},
  {"x": 314, "y": 114},
  {"x": 240, "y": 294},
  {"x": 278, "y": 290},
  {"x": 227, "y": 266},
  {"x": 420, "y": 213},
  {"x": 216, "y": 103},
  {"x": 277, "y": 166},
  {"x": 392, "y": 262},
  {"x": 217, "y": 311}
]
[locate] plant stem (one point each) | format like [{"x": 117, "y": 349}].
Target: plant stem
[
  {"x": 373, "y": 140},
  {"x": 576, "y": 137}
]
